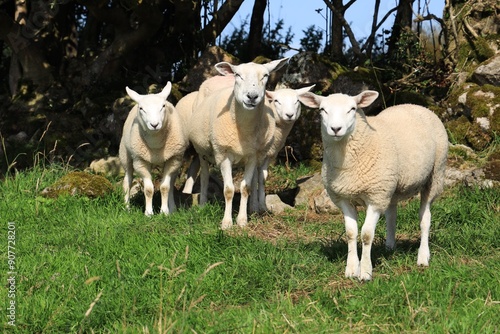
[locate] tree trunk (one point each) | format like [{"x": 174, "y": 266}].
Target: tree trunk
[
  {"x": 337, "y": 32},
  {"x": 402, "y": 22},
  {"x": 256, "y": 28},
  {"x": 220, "y": 20}
]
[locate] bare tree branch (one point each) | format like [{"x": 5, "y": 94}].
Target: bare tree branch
[{"x": 355, "y": 45}]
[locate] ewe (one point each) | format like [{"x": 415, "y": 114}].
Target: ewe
[
  {"x": 233, "y": 126},
  {"x": 378, "y": 161},
  {"x": 286, "y": 109},
  {"x": 152, "y": 136},
  {"x": 185, "y": 108}
]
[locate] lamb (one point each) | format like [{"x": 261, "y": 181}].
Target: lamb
[
  {"x": 378, "y": 161},
  {"x": 286, "y": 108},
  {"x": 152, "y": 136},
  {"x": 233, "y": 126}
]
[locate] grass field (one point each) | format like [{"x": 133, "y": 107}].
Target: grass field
[{"x": 86, "y": 265}]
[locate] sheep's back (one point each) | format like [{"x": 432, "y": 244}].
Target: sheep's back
[
  {"x": 419, "y": 141},
  {"x": 185, "y": 108}
]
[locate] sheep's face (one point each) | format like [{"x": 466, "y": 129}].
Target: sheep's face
[
  {"x": 338, "y": 111},
  {"x": 338, "y": 115},
  {"x": 152, "y": 108},
  {"x": 286, "y": 103},
  {"x": 250, "y": 80}
]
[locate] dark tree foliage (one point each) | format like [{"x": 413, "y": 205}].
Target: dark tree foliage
[
  {"x": 312, "y": 39},
  {"x": 275, "y": 42}
]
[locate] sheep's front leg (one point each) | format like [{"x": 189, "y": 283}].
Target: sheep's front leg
[
  {"x": 424, "y": 253},
  {"x": 144, "y": 172},
  {"x": 351, "y": 229},
  {"x": 367, "y": 235},
  {"x": 245, "y": 189},
  {"x": 226, "y": 169}
]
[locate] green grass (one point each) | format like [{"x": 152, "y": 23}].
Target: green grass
[{"x": 90, "y": 266}]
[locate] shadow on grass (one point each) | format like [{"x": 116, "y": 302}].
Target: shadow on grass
[{"x": 336, "y": 250}]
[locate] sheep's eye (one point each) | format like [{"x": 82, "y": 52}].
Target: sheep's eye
[
  {"x": 276, "y": 101},
  {"x": 142, "y": 110},
  {"x": 351, "y": 110},
  {"x": 265, "y": 77},
  {"x": 238, "y": 76},
  {"x": 323, "y": 111}
]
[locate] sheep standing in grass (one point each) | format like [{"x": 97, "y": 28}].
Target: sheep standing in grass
[
  {"x": 152, "y": 136},
  {"x": 233, "y": 126},
  {"x": 185, "y": 108},
  {"x": 378, "y": 161},
  {"x": 286, "y": 109}
]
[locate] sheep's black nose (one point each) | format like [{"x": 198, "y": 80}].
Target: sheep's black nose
[
  {"x": 154, "y": 125},
  {"x": 335, "y": 130},
  {"x": 289, "y": 116},
  {"x": 252, "y": 96}
]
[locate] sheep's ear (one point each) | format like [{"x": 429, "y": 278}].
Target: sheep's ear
[
  {"x": 224, "y": 68},
  {"x": 311, "y": 100},
  {"x": 133, "y": 94},
  {"x": 366, "y": 98},
  {"x": 303, "y": 90},
  {"x": 166, "y": 90},
  {"x": 269, "y": 95},
  {"x": 276, "y": 64}
]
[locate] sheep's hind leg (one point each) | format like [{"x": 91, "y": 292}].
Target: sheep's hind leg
[
  {"x": 367, "y": 235},
  {"x": 127, "y": 183},
  {"x": 425, "y": 226},
  {"x": 192, "y": 171},
  {"x": 148, "y": 194},
  {"x": 248, "y": 175},
  {"x": 263, "y": 173},
  {"x": 167, "y": 187},
  {"x": 204, "y": 178},
  {"x": 351, "y": 229},
  {"x": 227, "y": 177},
  {"x": 254, "y": 196},
  {"x": 390, "y": 220}
]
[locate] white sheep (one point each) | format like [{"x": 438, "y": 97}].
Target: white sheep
[
  {"x": 286, "y": 109},
  {"x": 233, "y": 126},
  {"x": 185, "y": 108},
  {"x": 378, "y": 161},
  {"x": 152, "y": 136}
]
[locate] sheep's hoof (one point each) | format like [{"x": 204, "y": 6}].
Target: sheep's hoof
[
  {"x": 423, "y": 258},
  {"x": 352, "y": 271},
  {"x": 226, "y": 224},
  {"x": 365, "y": 277},
  {"x": 242, "y": 221},
  {"x": 148, "y": 213}
]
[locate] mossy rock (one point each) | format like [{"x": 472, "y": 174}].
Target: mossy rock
[
  {"x": 81, "y": 184},
  {"x": 462, "y": 131}
]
